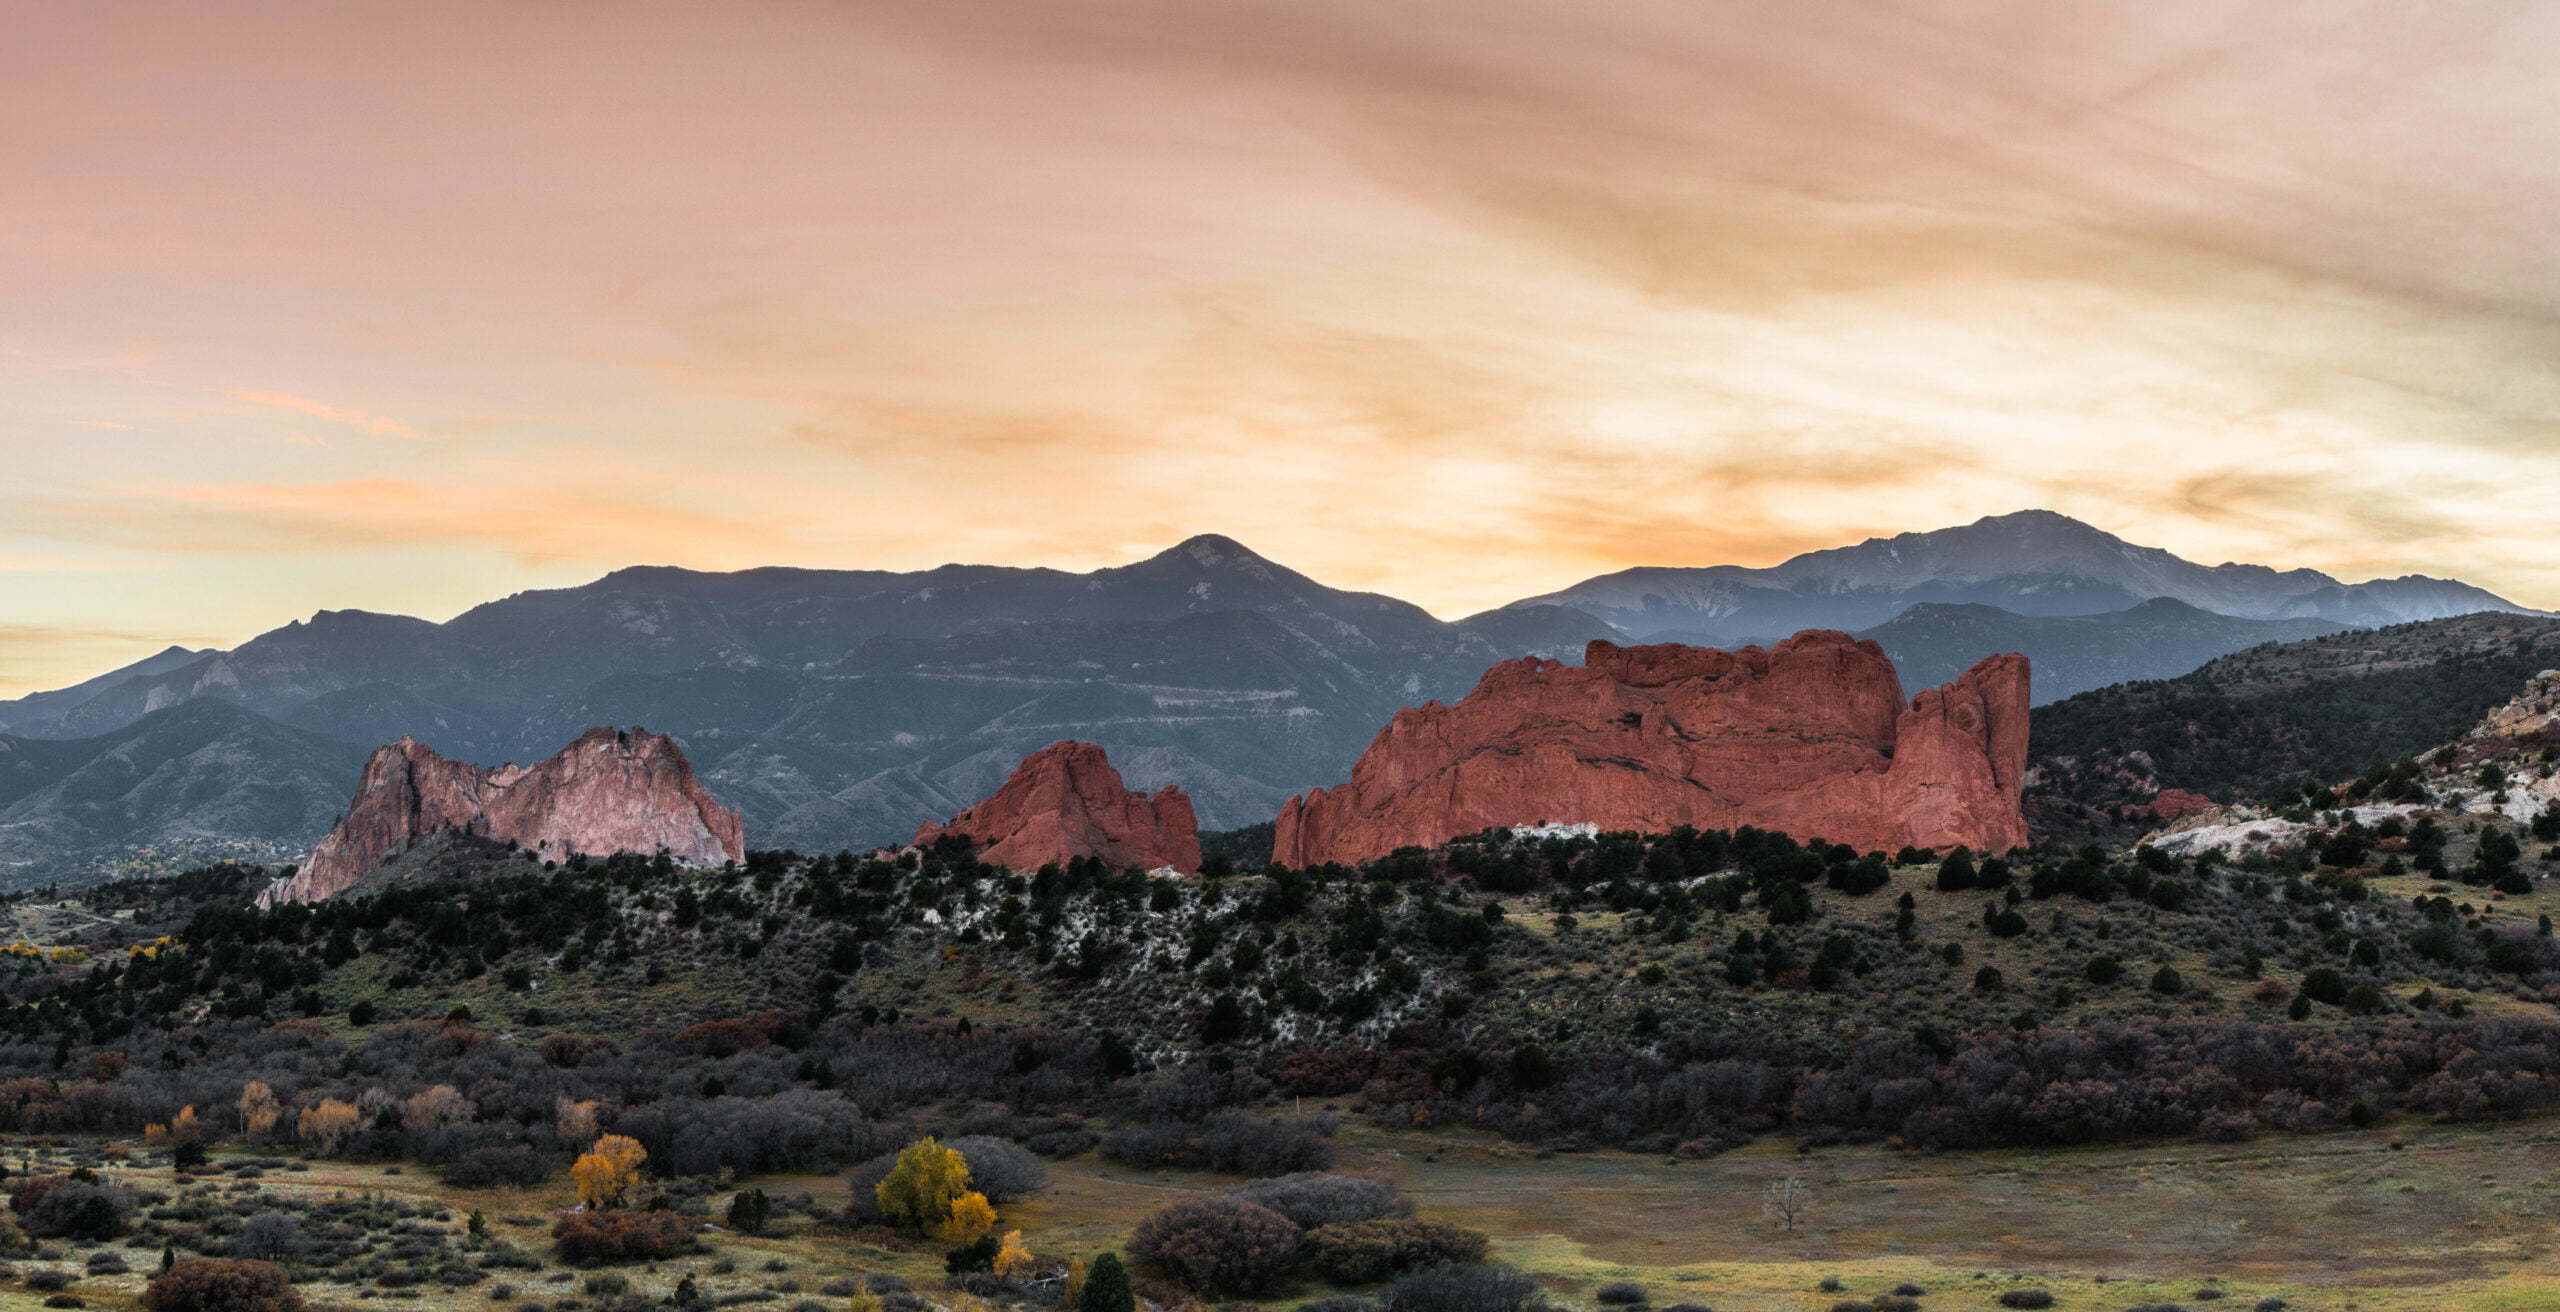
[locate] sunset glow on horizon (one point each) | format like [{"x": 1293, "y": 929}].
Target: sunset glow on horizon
[{"x": 405, "y": 308}]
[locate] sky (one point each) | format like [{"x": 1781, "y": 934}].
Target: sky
[{"x": 406, "y": 307}]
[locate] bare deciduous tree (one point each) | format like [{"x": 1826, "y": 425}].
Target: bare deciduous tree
[{"x": 1786, "y": 1200}]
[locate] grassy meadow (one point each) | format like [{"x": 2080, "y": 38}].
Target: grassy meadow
[{"x": 2388, "y": 1220}]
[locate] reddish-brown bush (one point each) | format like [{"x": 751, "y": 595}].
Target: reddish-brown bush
[
  {"x": 620, "y": 1236},
  {"x": 1365, "y": 1252},
  {"x": 725, "y": 1038},
  {"x": 27, "y": 1193},
  {"x": 1218, "y": 1245},
  {"x": 1326, "y": 1072},
  {"x": 222, "y": 1284},
  {"x": 575, "y": 1049}
]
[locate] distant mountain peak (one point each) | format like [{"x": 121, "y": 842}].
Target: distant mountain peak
[
  {"x": 355, "y": 618},
  {"x": 2038, "y": 515},
  {"x": 1215, "y": 551},
  {"x": 1213, "y": 565},
  {"x": 2030, "y": 524},
  {"x": 2033, "y": 561}
]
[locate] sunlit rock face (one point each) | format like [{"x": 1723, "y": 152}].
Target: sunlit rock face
[
  {"x": 1812, "y": 737},
  {"x": 611, "y": 791},
  {"x": 1066, "y": 801}
]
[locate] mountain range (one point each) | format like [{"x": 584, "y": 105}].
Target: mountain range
[
  {"x": 1934, "y": 641},
  {"x": 842, "y": 707},
  {"x": 839, "y": 707},
  {"x": 2034, "y": 562},
  {"x": 2263, "y": 722},
  {"x": 200, "y": 779}
]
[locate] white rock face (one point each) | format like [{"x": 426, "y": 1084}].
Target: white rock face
[
  {"x": 2238, "y": 832},
  {"x": 1557, "y": 831},
  {"x": 2512, "y": 737}
]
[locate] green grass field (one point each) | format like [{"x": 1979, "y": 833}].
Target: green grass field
[{"x": 2389, "y": 1220}]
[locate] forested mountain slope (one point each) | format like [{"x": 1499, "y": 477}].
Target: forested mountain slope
[{"x": 2262, "y": 722}]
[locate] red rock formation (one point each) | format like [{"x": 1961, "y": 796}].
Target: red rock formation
[
  {"x": 2172, "y": 804},
  {"x": 1065, "y": 801},
  {"x": 610, "y": 791},
  {"x": 1811, "y": 737}
]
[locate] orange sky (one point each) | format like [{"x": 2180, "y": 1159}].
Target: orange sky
[{"x": 409, "y": 306}]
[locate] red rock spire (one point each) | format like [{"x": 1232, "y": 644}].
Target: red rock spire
[
  {"x": 1065, "y": 801},
  {"x": 612, "y": 790}
]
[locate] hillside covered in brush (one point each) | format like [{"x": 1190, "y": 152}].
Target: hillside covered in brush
[
  {"x": 1692, "y": 989},
  {"x": 2261, "y": 723}
]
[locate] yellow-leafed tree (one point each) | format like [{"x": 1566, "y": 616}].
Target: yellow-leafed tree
[
  {"x": 1076, "y": 1271},
  {"x": 182, "y": 1128},
  {"x": 608, "y": 1171},
  {"x": 1013, "y": 1257},
  {"x": 259, "y": 1109},
  {"x": 864, "y": 1301},
  {"x": 328, "y": 1126},
  {"x": 972, "y": 1216},
  {"x": 921, "y": 1186}
]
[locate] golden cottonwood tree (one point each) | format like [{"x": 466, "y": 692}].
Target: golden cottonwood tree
[
  {"x": 972, "y": 1216},
  {"x": 259, "y": 1109},
  {"x": 327, "y": 1127},
  {"x": 608, "y": 1171},
  {"x": 1013, "y": 1257},
  {"x": 920, "y": 1187},
  {"x": 181, "y": 1128}
]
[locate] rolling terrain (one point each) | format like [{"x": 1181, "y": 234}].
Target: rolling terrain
[
  {"x": 194, "y": 780},
  {"x": 2264, "y": 722},
  {"x": 2317, "y": 1069}
]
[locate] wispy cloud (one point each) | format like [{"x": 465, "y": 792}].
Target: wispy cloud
[
  {"x": 1457, "y": 299},
  {"x": 49, "y": 562},
  {"x": 322, "y": 410},
  {"x": 530, "y": 517},
  {"x": 34, "y": 657}
]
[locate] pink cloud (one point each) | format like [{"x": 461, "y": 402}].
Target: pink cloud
[{"x": 333, "y": 414}]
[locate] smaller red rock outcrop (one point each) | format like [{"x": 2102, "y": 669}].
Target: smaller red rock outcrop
[
  {"x": 2172, "y": 804},
  {"x": 1065, "y": 801},
  {"x": 611, "y": 791}
]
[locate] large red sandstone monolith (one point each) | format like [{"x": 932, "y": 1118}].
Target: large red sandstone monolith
[
  {"x": 1065, "y": 801},
  {"x": 611, "y": 791},
  {"x": 1811, "y": 737}
]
